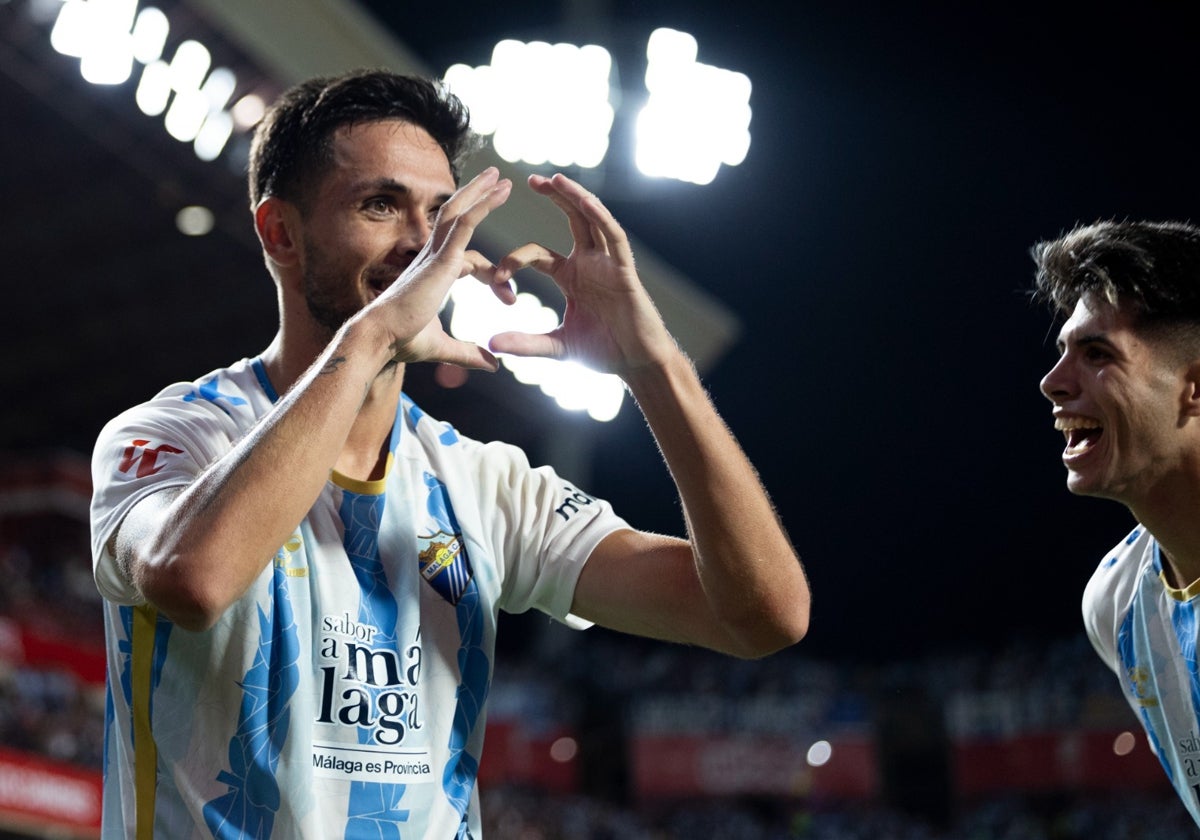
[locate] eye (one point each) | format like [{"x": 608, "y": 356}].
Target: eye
[
  {"x": 378, "y": 204},
  {"x": 1096, "y": 354}
]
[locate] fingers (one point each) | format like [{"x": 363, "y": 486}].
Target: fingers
[
  {"x": 464, "y": 210},
  {"x": 466, "y": 355},
  {"x": 481, "y": 268},
  {"x": 547, "y": 345},
  {"x": 531, "y": 255},
  {"x": 581, "y": 229},
  {"x": 592, "y": 225}
]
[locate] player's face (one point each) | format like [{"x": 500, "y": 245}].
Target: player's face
[
  {"x": 370, "y": 215},
  {"x": 1118, "y": 399}
]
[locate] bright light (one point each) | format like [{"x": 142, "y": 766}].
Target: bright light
[
  {"x": 213, "y": 135},
  {"x": 186, "y": 115},
  {"x": 542, "y": 103},
  {"x": 194, "y": 221},
  {"x": 819, "y": 753},
  {"x": 154, "y": 90},
  {"x": 109, "y": 61},
  {"x": 564, "y": 749},
  {"x": 1124, "y": 743},
  {"x": 189, "y": 66},
  {"x": 697, "y": 116},
  {"x": 218, "y": 87},
  {"x": 98, "y": 34},
  {"x": 150, "y": 35},
  {"x": 248, "y": 110},
  {"x": 109, "y": 35},
  {"x": 72, "y": 28},
  {"x": 478, "y": 316}
]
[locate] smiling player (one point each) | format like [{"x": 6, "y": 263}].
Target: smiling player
[
  {"x": 303, "y": 571},
  {"x": 1126, "y": 394}
]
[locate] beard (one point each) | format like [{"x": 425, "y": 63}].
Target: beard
[{"x": 325, "y": 292}]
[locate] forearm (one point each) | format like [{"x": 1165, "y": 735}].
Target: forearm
[
  {"x": 748, "y": 571},
  {"x": 205, "y": 549}
]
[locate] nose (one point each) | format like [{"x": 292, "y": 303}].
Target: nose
[
  {"x": 418, "y": 233},
  {"x": 1058, "y": 385}
]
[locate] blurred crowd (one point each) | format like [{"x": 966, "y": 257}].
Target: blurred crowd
[{"x": 522, "y": 815}]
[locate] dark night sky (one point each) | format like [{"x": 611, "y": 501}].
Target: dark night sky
[{"x": 875, "y": 245}]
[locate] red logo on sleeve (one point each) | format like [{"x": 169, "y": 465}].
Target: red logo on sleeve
[{"x": 144, "y": 458}]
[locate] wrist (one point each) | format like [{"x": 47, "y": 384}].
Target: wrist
[
  {"x": 661, "y": 377},
  {"x": 368, "y": 338}
]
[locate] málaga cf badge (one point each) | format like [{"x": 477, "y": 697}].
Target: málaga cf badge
[{"x": 443, "y": 563}]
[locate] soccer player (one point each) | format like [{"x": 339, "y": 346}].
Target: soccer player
[
  {"x": 303, "y": 570},
  {"x": 1126, "y": 395}
]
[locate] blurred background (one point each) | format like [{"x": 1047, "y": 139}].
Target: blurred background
[{"x": 848, "y": 266}]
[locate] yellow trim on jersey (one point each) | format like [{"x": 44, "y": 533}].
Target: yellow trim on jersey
[
  {"x": 364, "y": 488},
  {"x": 145, "y": 761},
  {"x": 1186, "y": 594}
]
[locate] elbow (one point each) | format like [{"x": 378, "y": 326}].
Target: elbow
[
  {"x": 188, "y": 600},
  {"x": 772, "y": 635},
  {"x": 774, "y": 626}
]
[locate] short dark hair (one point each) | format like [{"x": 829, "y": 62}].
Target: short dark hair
[
  {"x": 1151, "y": 269},
  {"x": 293, "y": 144}
]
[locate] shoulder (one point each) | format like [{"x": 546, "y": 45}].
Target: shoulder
[
  {"x": 1115, "y": 583},
  {"x": 1118, "y": 572},
  {"x": 174, "y": 435},
  {"x": 227, "y": 401}
]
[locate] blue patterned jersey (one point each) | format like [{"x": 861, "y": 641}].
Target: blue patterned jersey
[
  {"x": 1146, "y": 631},
  {"x": 343, "y": 695}
]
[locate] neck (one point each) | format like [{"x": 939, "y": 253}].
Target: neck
[
  {"x": 1175, "y": 526},
  {"x": 363, "y": 456}
]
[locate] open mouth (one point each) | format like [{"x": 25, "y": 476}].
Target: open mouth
[
  {"x": 379, "y": 284},
  {"x": 1081, "y": 433}
]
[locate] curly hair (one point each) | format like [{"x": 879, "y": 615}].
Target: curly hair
[
  {"x": 1152, "y": 269},
  {"x": 292, "y": 146}
]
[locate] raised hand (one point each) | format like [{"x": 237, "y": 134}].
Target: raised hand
[
  {"x": 409, "y": 307},
  {"x": 610, "y": 323}
]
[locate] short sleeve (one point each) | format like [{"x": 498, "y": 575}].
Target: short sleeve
[
  {"x": 158, "y": 445},
  {"x": 1110, "y": 592},
  {"x": 543, "y": 526}
]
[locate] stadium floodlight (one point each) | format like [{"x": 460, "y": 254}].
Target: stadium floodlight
[
  {"x": 189, "y": 66},
  {"x": 542, "y": 103},
  {"x": 248, "y": 110},
  {"x": 150, "y": 35},
  {"x": 154, "y": 90},
  {"x": 98, "y": 33},
  {"x": 697, "y": 116},
  {"x": 109, "y": 36},
  {"x": 213, "y": 135}
]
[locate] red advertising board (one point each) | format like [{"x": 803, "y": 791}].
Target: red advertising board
[
  {"x": 544, "y": 758},
  {"x": 688, "y": 765},
  {"x": 45, "y": 794},
  {"x": 1056, "y": 761},
  {"x": 21, "y": 645}
]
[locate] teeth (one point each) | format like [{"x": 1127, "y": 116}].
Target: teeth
[
  {"x": 1078, "y": 446},
  {"x": 1066, "y": 424}
]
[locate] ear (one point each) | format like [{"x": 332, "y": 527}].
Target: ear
[
  {"x": 275, "y": 222},
  {"x": 1191, "y": 391}
]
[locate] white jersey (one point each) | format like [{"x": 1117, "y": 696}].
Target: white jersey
[
  {"x": 1146, "y": 631},
  {"x": 343, "y": 695}
]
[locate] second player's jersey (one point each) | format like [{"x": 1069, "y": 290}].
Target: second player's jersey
[{"x": 1146, "y": 631}]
